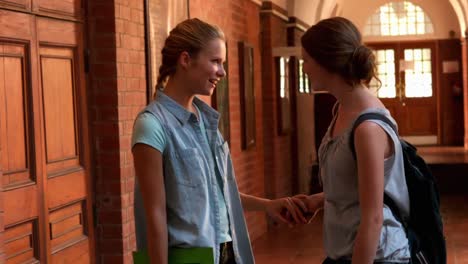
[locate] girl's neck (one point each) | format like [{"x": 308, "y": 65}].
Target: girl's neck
[
  {"x": 177, "y": 90},
  {"x": 350, "y": 97}
]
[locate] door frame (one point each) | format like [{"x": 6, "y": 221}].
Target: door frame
[{"x": 433, "y": 45}]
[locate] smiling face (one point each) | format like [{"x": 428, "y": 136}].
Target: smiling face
[{"x": 206, "y": 69}]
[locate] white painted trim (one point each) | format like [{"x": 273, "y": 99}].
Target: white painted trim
[
  {"x": 396, "y": 38},
  {"x": 276, "y": 13},
  {"x": 421, "y": 140},
  {"x": 287, "y": 51},
  {"x": 297, "y": 25},
  {"x": 258, "y": 2}
]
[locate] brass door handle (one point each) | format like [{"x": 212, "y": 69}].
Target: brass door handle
[{"x": 400, "y": 87}]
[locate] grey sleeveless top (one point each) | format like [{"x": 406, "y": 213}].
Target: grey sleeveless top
[{"x": 338, "y": 172}]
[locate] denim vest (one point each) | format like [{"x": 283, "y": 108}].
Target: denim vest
[{"x": 190, "y": 182}]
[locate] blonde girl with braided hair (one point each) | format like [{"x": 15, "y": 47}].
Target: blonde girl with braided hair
[{"x": 186, "y": 193}]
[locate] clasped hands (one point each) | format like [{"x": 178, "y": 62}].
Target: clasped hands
[{"x": 298, "y": 209}]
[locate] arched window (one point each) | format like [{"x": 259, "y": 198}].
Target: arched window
[{"x": 398, "y": 19}]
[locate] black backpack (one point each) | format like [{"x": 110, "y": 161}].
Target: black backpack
[{"x": 424, "y": 226}]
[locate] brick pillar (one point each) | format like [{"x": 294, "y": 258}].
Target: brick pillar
[
  {"x": 117, "y": 86},
  {"x": 464, "y": 48},
  {"x": 277, "y": 146}
]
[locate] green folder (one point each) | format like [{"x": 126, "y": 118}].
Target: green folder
[{"x": 179, "y": 256}]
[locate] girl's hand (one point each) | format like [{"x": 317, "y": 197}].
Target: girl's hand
[
  {"x": 312, "y": 204},
  {"x": 286, "y": 211}
]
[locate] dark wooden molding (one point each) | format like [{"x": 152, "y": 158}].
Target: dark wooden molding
[{"x": 297, "y": 23}]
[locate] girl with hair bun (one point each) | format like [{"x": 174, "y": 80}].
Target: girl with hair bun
[
  {"x": 358, "y": 226},
  {"x": 186, "y": 193}
]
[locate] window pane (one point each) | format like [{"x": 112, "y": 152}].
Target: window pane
[
  {"x": 426, "y": 54},
  {"x": 386, "y": 74},
  {"x": 408, "y": 54},
  {"x": 283, "y": 76},
  {"x": 427, "y": 66},
  {"x": 418, "y": 82},
  {"x": 417, "y": 54},
  {"x": 398, "y": 18},
  {"x": 301, "y": 77},
  {"x": 420, "y": 29}
]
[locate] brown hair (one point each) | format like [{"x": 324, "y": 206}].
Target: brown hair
[
  {"x": 336, "y": 44},
  {"x": 190, "y": 35}
]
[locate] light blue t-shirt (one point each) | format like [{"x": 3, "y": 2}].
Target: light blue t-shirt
[{"x": 148, "y": 130}]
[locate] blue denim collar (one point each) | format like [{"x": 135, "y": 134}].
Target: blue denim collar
[{"x": 210, "y": 115}]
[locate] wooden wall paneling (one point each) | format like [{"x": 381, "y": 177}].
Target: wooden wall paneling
[
  {"x": 64, "y": 9},
  {"x": 23, "y": 5}
]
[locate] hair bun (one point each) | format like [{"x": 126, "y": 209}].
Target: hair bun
[{"x": 362, "y": 63}]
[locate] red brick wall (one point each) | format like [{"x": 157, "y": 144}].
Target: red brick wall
[
  {"x": 117, "y": 86},
  {"x": 240, "y": 21},
  {"x": 278, "y": 164}
]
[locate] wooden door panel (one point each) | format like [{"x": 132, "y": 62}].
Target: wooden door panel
[
  {"x": 59, "y": 112},
  {"x": 78, "y": 254},
  {"x": 421, "y": 121},
  {"x": 67, "y": 193},
  {"x": 19, "y": 4},
  {"x": 16, "y": 25},
  {"x": 66, "y": 189},
  {"x": 70, "y": 8},
  {"x": 57, "y": 31},
  {"x": 21, "y": 243},
  {"x": 15, "y": 159},
  {"x": 67, "y": 226},
  {"x": 20, "y": 204}
]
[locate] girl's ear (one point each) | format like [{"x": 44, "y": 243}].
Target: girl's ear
[{"x": 184, "y": 59}]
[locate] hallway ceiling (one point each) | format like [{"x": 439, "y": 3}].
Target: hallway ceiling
[{"x": 311, "y": 11}]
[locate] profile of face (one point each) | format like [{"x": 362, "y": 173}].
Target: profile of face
[
  {"x": 317, "y": 74},
  {"x": 205, "y": 70}
]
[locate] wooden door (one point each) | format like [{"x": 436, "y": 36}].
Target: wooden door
[
  {"x": 408, "y": 88},
  {"x": 44, "y": 145}
]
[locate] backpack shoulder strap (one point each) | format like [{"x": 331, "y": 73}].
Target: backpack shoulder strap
[
  {"x": 364, "y": 117},
  {"x": 375, "y": 116}
]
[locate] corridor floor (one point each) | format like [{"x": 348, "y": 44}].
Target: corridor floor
[{"x": 303, "y": 244}]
